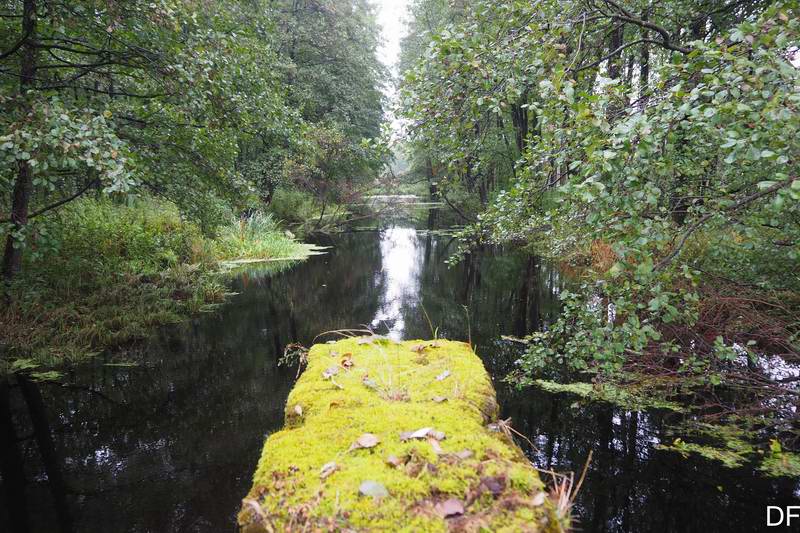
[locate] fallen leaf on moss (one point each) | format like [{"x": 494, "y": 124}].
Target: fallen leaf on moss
[
  {"x": 443, "y": 376},
  {"x": 464, "y": 454},
  {"x": 439, "y": 399},
  {"x": 435, "y": 445},
  {"x": 421, "y": 434},
  {"x": 328, "y": 469},
  {"x": 419, "y": 348},
  {"x": 252, "y": 504},
  {"x": 298, "y": 409},
  {"x": 367, "y": 440},
  {"x": 374, "y": 489},
  {"x": 369, "y": 383},
  {"x": 496, "y": 485},
  {"x": 539, "y": 499},
  {"x": 394, "y": 460},
  {"x": 451, "y": 507},
  {"x": 330, "y": 372}
]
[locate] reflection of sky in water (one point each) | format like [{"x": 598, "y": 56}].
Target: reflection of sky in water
[{"x": 401, "y": 265}]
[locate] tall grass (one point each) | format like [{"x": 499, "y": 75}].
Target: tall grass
[
  {"x": 255, "y": 237},
  {"x": 101, "y": 275}
]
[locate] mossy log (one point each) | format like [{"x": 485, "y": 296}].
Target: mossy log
[{"x": 388, "y": 436}]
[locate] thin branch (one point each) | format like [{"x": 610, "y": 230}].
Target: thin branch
[
  {"x": 16, "y": 47},
  {"x": 705, "y": 218},
  {"x": 626, "y": 16},
  {"x": 59, "y": 203}
]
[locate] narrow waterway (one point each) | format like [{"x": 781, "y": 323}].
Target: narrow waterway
[{"x": 169, "y": 443}]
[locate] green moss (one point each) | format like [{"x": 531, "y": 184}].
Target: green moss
[
  {"x": 607, "y": 392},
  {"x": 326, "y": 415}
]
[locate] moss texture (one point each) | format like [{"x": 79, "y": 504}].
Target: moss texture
[{"x": 311, "y": 472}]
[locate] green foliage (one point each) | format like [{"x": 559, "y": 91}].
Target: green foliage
[
  {"x": 213, "y": 107},
  {"x": 142, "y": 238},
  {"x": 711, "y": 144},
  {"x": 654, "y": 147},
  {"x": 293, "y": 206},
  {"x": 187, "y": 115},
  {"x": 108, "y": 272}
]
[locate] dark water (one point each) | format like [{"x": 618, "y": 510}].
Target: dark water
[{"x": 171, "y": 443}]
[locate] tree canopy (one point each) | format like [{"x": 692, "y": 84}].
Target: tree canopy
[
  {"x": 653, "y": 144},
  {"x": 211, "y": 105}
]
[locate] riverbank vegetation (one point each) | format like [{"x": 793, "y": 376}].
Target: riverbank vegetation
[
  {"x": 103, "y": 275},
  {"x": 142, "y": 144},
  {"x": 653, "y": 149}
]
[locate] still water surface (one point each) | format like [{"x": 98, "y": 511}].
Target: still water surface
[{"x": 171, "y": 443}]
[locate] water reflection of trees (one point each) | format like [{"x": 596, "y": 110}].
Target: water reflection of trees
[
  {"x": 632, "y": 486},
  {"x": 170, "y": 444}
]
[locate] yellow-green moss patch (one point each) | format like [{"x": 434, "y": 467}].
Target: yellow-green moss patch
[{"x": 311, "y": 472}]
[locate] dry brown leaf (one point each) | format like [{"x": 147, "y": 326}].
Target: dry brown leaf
[
  {"x": 328, "y": 469},
  {"x": 422, "y": 433},
  {"x": 394, "y": 460},
  {"x": 451, "y": 507},
  {"x": 374, "y": 489},
  {"x": 330, "y": 372},
  {"x": 435, "y": 445},
  {"x": 367, "y": 440},
  {"x": 496, "y": 485}
]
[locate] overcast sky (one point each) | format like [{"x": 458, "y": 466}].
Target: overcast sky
[{"x": 391, "y": 17}]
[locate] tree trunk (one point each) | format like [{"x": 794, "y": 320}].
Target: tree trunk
[
  {"x": 615, "y": 62},
  {"x": 519, "y": 119},
  {"x": 23, "y": 187},
  {"x": 644, "y": 69}
]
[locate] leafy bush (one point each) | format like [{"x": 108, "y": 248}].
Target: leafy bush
[
  {"x": 293, "y": 206},
  {"x": 100, "y": 274}
]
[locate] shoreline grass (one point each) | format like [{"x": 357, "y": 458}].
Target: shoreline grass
[{"x": 107, "y": 275}]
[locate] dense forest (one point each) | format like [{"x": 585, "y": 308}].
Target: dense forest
[
  {"x": 652, "y": 147},
  {"x": 135, "y": 135}
]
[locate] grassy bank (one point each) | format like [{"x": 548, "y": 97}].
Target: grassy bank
[{"x": 100, "y": 275}]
